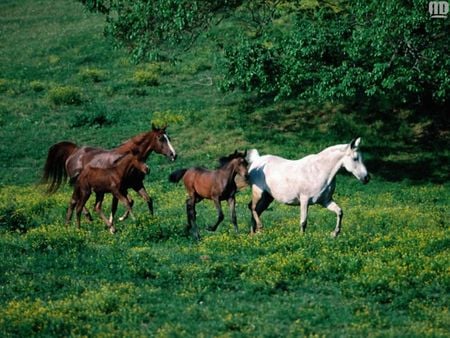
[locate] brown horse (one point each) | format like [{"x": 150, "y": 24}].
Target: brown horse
[
  {"x": 67, "y": 160},
  {"x": 216, "y": 185},
  {"x": 102, "y": 181}
]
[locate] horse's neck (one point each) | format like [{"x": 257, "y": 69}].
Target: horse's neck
[
  {"x": 330, "y": 161},
  {"x": 230, "y": 170},
  {"x": 142, "y": 145}
]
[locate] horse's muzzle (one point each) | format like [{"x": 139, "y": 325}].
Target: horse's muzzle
[
  {"x": 365, "y": 179},
  {"x": 173, "y": 156}
]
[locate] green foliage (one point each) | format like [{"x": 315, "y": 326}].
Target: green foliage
[
  {"x": 161, "y": 119},
  {"x": 376, "y": 57},
  {"x": 13, "y": 218},
  {"x": 93, "y": 74},
  {"x": 3, "y": 85},
  {"x": 155, "y": 30},
  {"x": 91, "y": 119},
  {"x": 386, "y": 55},
  {"x": 37, "y": 86},
  {"x": 65, "y": 95},
  {"x": 145, "y": 77}
]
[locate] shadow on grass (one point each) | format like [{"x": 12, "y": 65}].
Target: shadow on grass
[{"x": 418, "y": 167}]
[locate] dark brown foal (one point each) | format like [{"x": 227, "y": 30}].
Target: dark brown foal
[
  {"x": 216, "y": 185},
  {"x": 102, "y": 181}
]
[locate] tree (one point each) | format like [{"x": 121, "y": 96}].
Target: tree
[
  {"x": 160, "y": 28},
  {"x": 387, "y": 54}
]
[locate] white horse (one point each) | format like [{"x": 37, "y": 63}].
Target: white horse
[{"x": 310, "y": 180}]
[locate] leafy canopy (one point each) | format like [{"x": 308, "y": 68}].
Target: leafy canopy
[{"x": 386, "y": 54}]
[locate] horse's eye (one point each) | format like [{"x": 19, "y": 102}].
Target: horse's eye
[{"x": 162, "y": 138}]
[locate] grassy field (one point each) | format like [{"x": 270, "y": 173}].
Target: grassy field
[{"x": 60, "y": 79}]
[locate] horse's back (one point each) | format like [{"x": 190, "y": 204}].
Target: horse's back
[
  {"x": 95, "y": 157},
  {"x": 283, "y": 179},
  {"x": 204, "y": 182}
]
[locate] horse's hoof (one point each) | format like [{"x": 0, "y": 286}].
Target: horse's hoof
[
  {"x": 334, "y": 234},
  {"x": 211, "y": 229},
  {"x": 112, "y": 230}
]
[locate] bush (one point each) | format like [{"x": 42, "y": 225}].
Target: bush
[
  {"x": 37, "y": 86},
  {"x": 3, "y": 85},
  {"x": 65, "y": 95},
  {"x": 14, "y": 219},
  {"x": 91, "y": 119},
  {"x": 146, "y": 77},
  {"x": 92, "y": 74}
]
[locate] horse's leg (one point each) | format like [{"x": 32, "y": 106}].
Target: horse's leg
[
  {"x": 72, "y": 204},
  {"x": 256, "y": 221},
  {"x": 191, "y": 217},
  {"x": 232, "y": 206},
  {"x": 98, "y": 208},
  {"x": 144, "y": 194},
  {"x": 332, "y": 206},
  {"x": 114, "y": 203},
  {"x": 303, "y": 213},
  {"x": 219, "y": 215},
  {"x": 124, "y": 199},
  {"x": 83, "y": 197},
  {"x": 260, "y": 202},
  {"x": 127, "y": 213},
  {"x": 87, "y": 214}
]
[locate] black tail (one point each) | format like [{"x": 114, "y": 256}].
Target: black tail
[
  {"x": 177, "y": 175},
  {"x": 55, "y": 170}
]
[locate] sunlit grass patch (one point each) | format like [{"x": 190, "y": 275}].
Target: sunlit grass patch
[
  {"x": 93, "y": 74},
  {"x": 146, "y": 77},
  {"x": 68, "y": 95},
  {"x": 38, "y": 86}
]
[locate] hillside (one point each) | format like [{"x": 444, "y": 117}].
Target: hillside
[{"x": 60, "y": 79}]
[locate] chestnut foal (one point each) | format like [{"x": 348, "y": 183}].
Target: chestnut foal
[{"x": 102, "y": 181}]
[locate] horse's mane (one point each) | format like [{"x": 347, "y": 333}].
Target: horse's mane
[
  {"x": 337, "y": 147},
  {"x": 224, "y": 160},
  {"x": 135, "y": 140}
]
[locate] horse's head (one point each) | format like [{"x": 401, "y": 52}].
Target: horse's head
[
  {"x": 353, "y": 161},
  {"x": 238, "y": 161},
  {"x": 162, "y": 144},
  {"x": 242, "y": 167}
]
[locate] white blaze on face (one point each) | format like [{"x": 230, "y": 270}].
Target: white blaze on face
[{"x": 172, "y": 150}]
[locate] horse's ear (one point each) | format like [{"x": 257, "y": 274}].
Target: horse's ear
[
  {"x": 154, "y": 128},
  {"x": 355, "y": 143}
]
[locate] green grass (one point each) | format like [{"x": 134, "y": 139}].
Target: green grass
[{"x": 387, "y": 275}]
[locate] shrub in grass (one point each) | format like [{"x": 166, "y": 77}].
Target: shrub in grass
[
  {"x": 3, "y": 85},
  {"x": 37, "y": 86},
  {"x": 14, "y": 219},
  {"x": 92, "y": 74},
  {"x": 146, "y": 77},
  {"x": 65, "y": 95},
  {"x": 91, "y": 119},
  {"x": 165, "y": 118}
]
